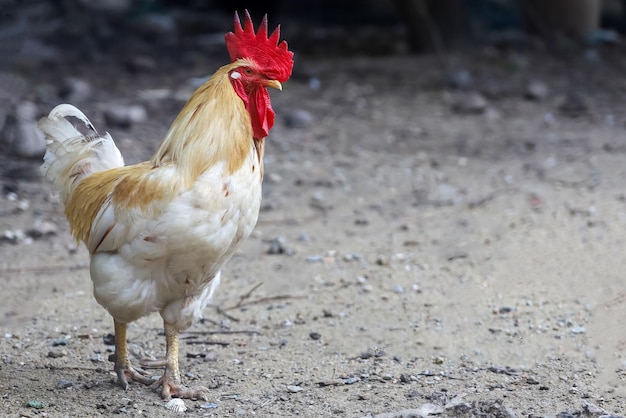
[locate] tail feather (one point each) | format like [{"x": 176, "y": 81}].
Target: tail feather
[{"x": 70, "y": 155}]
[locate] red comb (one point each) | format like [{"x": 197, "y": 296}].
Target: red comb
[{"x": 275, "y": 60}]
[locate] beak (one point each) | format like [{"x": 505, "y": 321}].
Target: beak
[{"x": 273, "y": 83}]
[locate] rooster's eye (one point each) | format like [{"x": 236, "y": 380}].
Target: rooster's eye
[{"x": 247, "y": 71}]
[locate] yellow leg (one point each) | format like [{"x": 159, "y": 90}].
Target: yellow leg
[
  {"x": 122, "y": 363},
  {"x": 171, "y": 384},
  {"x": 171, "y": 352}
]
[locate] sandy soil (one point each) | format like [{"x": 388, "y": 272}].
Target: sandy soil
[{"x": 408, "y": 256}]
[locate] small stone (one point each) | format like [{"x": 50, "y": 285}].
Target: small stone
[
  {"x": 577, "y": 330},
  {"x": 277, "y": 246},
  {"x": 109, "y": 339},
  {"x": 315, "y": 336},
  {"x": 382, "y": 260},
  {"x": 460, "y": 79},
  {"x": 124, "y": 116},
  {"x": 299, "y": 118},
  {"x": 366, "y": 355},
  {"x": 35, "y": 404},
  {"x": 141, "y": 63},
  {"x": 96, "y": 358},
  {"x": 319, "y": 201},
  {"x": 413, "y": 394},
  {"x": 315, "y": 83},
  {"x": 536, "y": 90},
  {"x": 156, "y": 24},
  {"x": 42, "y": 229},
  {"x": 64, "y": 384},
  {"x": 75, "y": 89},
  {"x": 314, "y": 259},
  {"x": 57, "y": 353},
  {"x": 21, "y": 131},
  {"x": 532, "y": 381},
  {"x": 351, "y": 380},
  {"x": 60, "y": 342},
  {"x": 469, "y": 103},
  {"x": 573, "y": 105},
  {"x": 294, "y": 389}
]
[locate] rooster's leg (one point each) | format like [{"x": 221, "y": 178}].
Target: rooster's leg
[
  {"x": 122, "y": 363},
  {"x": 171, "y": 384}
]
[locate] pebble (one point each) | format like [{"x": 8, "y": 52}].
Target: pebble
[
  {"x": 298, "y": 118},
  {"x": 57, "y": 353},
  {"x": 12, "y": 89},
  {"x": 469, "y": 103},
  {"x": 13, "y": 236},
  {"x": 21, "y": 131},
  {"x": 60, "y": 342},
  {"x": 75, "y": 89},
  {"x": 460, "y": 79},
  {"x": 382, "y": 260},
  {"x": 577, "y": 330},
  {"x": 109, "y": 339},
  {"x": 96, "y": 358},
  {"x": 315, "y": 83},
  {"x": 35, "y": 404},
  {"x": 536, "y": 90},
  {"x": 64, "y": 384},
  {"x": 124, "y": 116},
  {"x": 142, "y": 63},
  {"x": 42, "y": 229},
  {"x": 315, "y": 336},
  {"x": 277, "y": 246},
  {"x": 351, "y": 380},
  {"x": 573, "y": 105},
  {"x": 159, "y": 24},
  {"x": 294, "y": 389}
]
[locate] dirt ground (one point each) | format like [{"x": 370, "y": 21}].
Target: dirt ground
[{"x": 413, "y": 257}]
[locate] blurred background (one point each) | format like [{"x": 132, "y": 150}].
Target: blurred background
[{"x": 46, "y": 45}]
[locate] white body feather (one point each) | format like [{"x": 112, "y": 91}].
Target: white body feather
[{"x": 168, "y": 262}]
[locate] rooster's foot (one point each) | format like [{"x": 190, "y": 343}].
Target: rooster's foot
[
  {"x": 129, "y": 373},
  {"x": 171, "y": 389}
]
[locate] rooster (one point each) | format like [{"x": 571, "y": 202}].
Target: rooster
[{"x": 159, "y": 232}]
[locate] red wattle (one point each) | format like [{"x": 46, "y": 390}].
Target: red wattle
[
  {"x": 259, "y": 107},
  {"x": 261, "y": 113}
]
